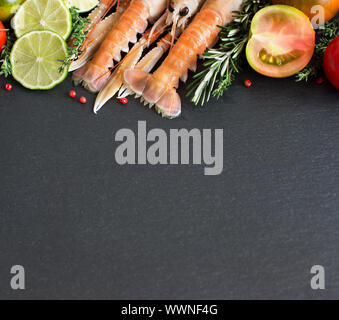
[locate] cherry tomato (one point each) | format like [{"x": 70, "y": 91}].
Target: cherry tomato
[
  {"x": 331, "y": 62},
  {"x": 281, "y": 41},
  {"x": 330, "y": 7},
  {"x": 2, "y": 36}
]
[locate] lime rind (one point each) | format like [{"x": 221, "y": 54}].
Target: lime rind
[
  {"x": 17, "y": 69},
  {"x": 30, "y": 16}
]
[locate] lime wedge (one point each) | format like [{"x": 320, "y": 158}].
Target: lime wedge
[
  {"x": 43, "y": 15},
  {"x": 82, "y": 5},
  {"x": 35, "y": 59}
]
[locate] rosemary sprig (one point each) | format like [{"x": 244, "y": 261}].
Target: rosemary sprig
[
  {"x": 77, "y": 38},
  {"x": 223, "y": 63},
  {"x": 6, "y": 68},
  {"x": 324, "y": 36}
]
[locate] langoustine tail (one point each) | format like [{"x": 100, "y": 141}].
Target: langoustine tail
[{"x": 154, "y": 92}]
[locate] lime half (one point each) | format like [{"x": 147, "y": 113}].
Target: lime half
[
  {"x": 43, "y": 15},
  {"x": 82, "y": 5},
  {"x": 35, "y": 59}
]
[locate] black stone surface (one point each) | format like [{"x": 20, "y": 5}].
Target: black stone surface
[{"x": 85, "y": 227}]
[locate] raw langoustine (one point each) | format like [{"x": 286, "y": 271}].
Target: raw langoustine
[
  {"x": 97, "y": 29},
  {"x": 95, "y": 74},
  {"x": 159, "y": 88},
  {"x": 116, "y": 80},
  {"x": 177, "y": 14}
]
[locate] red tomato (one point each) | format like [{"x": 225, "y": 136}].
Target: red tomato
[
  {"x": 331, "y": 62},
  {"x": 2, "y": 36},
  {"x": 281, "y": 41}
]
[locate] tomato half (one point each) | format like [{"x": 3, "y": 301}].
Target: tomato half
[
  {"x": 2, "y": 36},
  {"x": 330, "y": 7},
  {"x": 331, "y": 62},
  {"x": 281, "y": 41}
]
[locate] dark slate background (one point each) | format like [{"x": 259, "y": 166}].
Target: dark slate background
[{"x": 84, "y": 227}]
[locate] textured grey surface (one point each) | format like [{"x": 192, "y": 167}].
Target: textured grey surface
[{"x": 84, "y": 227}]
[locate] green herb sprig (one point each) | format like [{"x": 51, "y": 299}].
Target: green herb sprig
[
  {"x": 77, "y": 38},
  {"x": 223, "y": 63},
  {"x": 6, "y": 67},
  {"x": 324, "y": 36}
]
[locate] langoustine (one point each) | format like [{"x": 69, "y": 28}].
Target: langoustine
[
  {"x": 116, "y": 80},
  {"x": 148, "y": 62},
  {"x": 97, "y": 29},
  {"x": 159, "y": 88},
  {"x": 95, "y": 74},
  {"x": 177, "y": 14}
]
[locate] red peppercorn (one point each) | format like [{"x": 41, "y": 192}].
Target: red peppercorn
[
  {"x": 319, "y": 80},
  {"x": 83, "y": 100},
  {"x": 123, "y": 100},
  {"x": 72, "y": 94},
  {"x": 247, "y": 83},
  {"x": 8, "y": 87}
]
